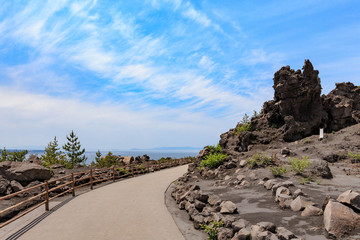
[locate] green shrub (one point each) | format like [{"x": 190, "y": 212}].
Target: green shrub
[
  {"x": 304, "y": 181},
  {"x": 258, "y": 160},
  {"x": 355, "y": 157},
  {"x": 278, "y": 171},
  {"x": 123, "y": 171},
  {"x": 242, "y": 128},
  {"x": 212, "y": 228},
  {"x": 215, "y": 148},
  {"x": 213, "y": 160},
  {"x": 307, "y": 141},
  {"x": 299, "y": 165}
]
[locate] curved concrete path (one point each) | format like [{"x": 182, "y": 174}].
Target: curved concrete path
[{"x": 129, "y": 209}]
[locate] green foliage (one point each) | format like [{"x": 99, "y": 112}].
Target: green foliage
[
  {"x": 299, "y": 165},
  {"x": 278, "y": 171},
  {"x": 123, "y": 171},
  {"x": 255, "y": 114},
  {"x": 259, "y": 160},
  {"x": 304, "y": 181},
  {"x": 306, "y": 141},
  {"x": 245, "y": 119},
  {"x": 242, "y": 128},
  {"x": 107, "y": 161},
  {"x": 13, "y": 156},
  {"x": 355, "y": 157},
  {"x": 72, "y": 148},
  {"x": 213, "y": 160},
  {"x": 53, "y": 155},
  {"x": 215, "y": 148},
  {"x": 212, "y": 228}
]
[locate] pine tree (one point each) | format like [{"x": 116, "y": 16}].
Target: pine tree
[
  {"x": 72, "y": 147},
  {"x": 53, "y": 155}
]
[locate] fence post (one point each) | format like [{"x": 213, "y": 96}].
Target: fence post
[
  {"x": 73, "y": 184},
  {"x": 46, "y": 196},
  {"x": 132, "y": 169},
  {"x": 113, "y": 168},
  {"x": 91, "y": 178}
]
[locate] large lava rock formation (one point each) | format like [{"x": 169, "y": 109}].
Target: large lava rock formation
[{"x": 297, "y": 111}]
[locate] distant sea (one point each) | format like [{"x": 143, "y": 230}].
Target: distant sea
[{"x": 153, "y": 154}]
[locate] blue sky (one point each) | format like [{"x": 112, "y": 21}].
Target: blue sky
[{"x": 158, "y": 73}]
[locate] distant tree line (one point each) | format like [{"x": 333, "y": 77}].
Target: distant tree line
[{"x": 73, "y": 154}]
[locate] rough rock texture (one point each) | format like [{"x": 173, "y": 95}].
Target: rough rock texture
[
  {"x": 300, "y": 204},
  {"x": 4, "y": 184},
  {"x": 297, "y": 111},
  {"x": 339, "y": 219},
  {"x": 311, "y": 211},
  {"x": 24, "y": 172},
  {"x": 343, "y": 106},
  {"x": 350, "y": 198},
  {"x": 228, "y": 207}
]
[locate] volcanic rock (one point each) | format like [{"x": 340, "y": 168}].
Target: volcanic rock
[
  {"x": 350, "y": 198},
  {"x": 339, "y": 219},
  {"x": 228, "y": 207}
]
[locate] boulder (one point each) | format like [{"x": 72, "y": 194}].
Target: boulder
[
  {"x": 242, "y": 163},
  {"x": 240, "y": 224},
  {"x": 269, "y": 226},
  {"x": 350, "y": 198},
  {"x": 16, "y": 186},
  {"x": 198, "y": 220},
  {"x": 214, "y": 200},
  {"x": 284, "y": 200},
  {"x": 243, "y": 234},
  {"x": 4, "y": 184},
  {"x": 311, "y": 211},
  {"x": 300, "y": 204},
  {"x": 284, "y": 234},
  {"x": 24, "y": 172},
  {"x": 199, "y": 205},
  {"x": 228, "y": 207},
  {"x": 339, "y": 219},
  {"x": 282, "y": 191},
  {"x": 321, "y": 168},
  {"x": 34, "y": 159},
  {"x": 225, "y": 233},
  {"x": 259, "y": 233},
  {"x": 269, "y": 184}
]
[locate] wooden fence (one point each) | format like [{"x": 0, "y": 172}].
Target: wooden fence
[{"x": 48, "y": 191}]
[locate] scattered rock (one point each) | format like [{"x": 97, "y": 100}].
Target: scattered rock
[
  {"x": 4, "y": 184},
  {"x": 311, "y": 211},
  {"x": 339, "y": 219},
  {"x": 199, "y": 205},
  {"x": 243, "y": 234},
  {"x": 284, "y": 234},
  {"x": 321, "y": 168},
  {"x": 242, "y": 163},
  {"x": 228, "y": 207},
  {"x": 225, "y": 233},
  {"x": 16, "y": 186},
  {"x": 214, "y": 200},
  {"x": 285, "y": 151},
  {"x": 350, "y": 198},
  {"x": 267, "y": 226},
  {"x": 269, "y": 184},
  {"x": 299, "y": 204},
  {"x": 198, "y": 220},
  {"x": 240, "y": 224}
]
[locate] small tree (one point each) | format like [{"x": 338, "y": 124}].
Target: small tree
[
  {"x": 53, "y": 155},
  {"x": 72, "y": 148},
  {"x": 14, "y": 156}
]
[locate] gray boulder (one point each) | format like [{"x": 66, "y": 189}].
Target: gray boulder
[
  {"x": 228, "y": 207},
  {"x": 312, "y": 211},
  {"x": 24, "y": 172},
  {"x": 350, "y": 198},
  {"x": 4, "y": 184},
  {"x": 299, "y": 204},
  {"x": 339, "y": 219}
]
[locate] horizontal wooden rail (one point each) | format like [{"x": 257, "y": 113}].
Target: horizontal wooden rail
[{"x": 95, "y": 176}]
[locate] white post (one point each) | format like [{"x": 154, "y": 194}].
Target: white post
[{"x": 321, "y": 134}]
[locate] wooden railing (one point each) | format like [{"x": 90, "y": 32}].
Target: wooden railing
[{"x": 69, "y": 183}]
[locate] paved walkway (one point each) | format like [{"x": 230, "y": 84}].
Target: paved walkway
[{"x": 129, "y": 209}]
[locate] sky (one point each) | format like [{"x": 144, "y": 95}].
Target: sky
[{"x": 158, "y": 73}]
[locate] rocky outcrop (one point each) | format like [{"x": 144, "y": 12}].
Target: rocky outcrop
[
  {"x": 24, "y": 172},
  {"x": 343, "y": 106},
  {"x": 298, "y": 110}
]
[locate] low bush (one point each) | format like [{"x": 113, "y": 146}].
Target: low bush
[
  {"x": 215, "y": 148},
  {"x": 355, "y": 157},
  {"x": 213, "y": 160},
  {"x": 259, "y": 160},
  {"x": 212, "y": 228},
  {"x": 299, "y": 165},
  {"x": 123, "y": 171},
  {"x": 278, "y": 171},
  {"x": 242, "y": 128}
]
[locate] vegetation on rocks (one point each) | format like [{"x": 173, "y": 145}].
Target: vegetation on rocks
[
  {"x": 212, "y": 228},
  {"x": 259, "y": 160},
  {"x": 355, "y": 157},
  {"x": 215, "y": 157},
  {"x": 299, "y": 165},
  {"x": 278, "y": 171},
  {"x": 244, "y": 124},
  {"x": 107, "y": 161}
]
